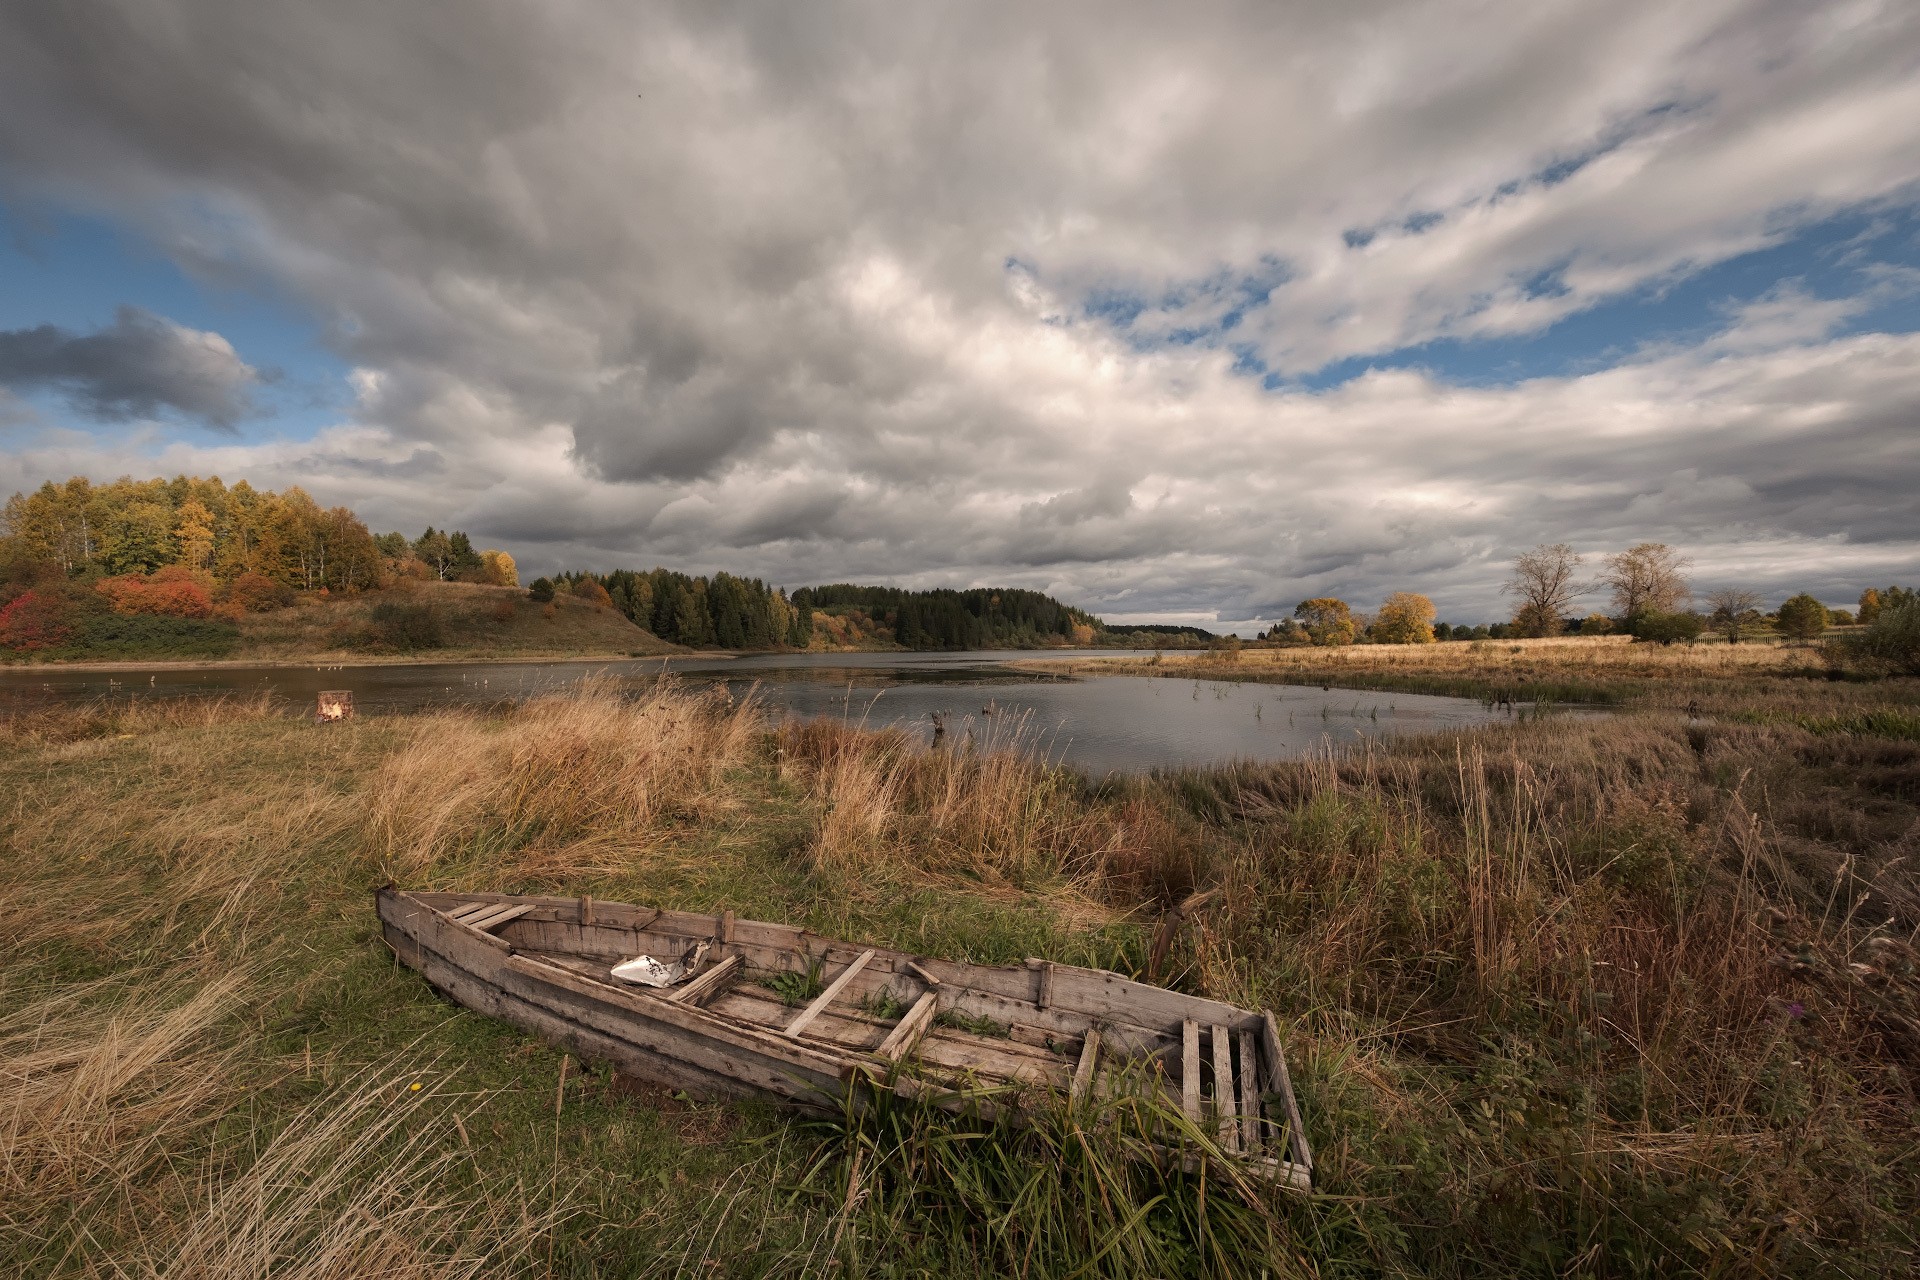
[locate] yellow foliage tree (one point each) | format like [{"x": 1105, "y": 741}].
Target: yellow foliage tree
[
  {"x": 1869, "y": 606},
  {"x": 193, "y": 531},
  {"x": 1328, "y": 621},
  {"x": 1405, "y": 618},
  {"x": 497, "y": 568}
]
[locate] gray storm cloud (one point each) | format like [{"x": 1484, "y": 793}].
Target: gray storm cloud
[
  {"x": 953, "y": 295},
  {"x": 134, "y": 368}
]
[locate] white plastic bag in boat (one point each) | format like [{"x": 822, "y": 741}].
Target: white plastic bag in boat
[{"x": 649, "y": 972}]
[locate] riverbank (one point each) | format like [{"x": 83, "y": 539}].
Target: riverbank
[
  {"x": 1623, "y": 995},
  {"x": 336, "y": 661}
]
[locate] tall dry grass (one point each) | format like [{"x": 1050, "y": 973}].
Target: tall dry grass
[
  {"x": 99, "y": 1080},
  {"x": 1599, "y": 953},
  {"x": 369, "y": 1181},
  {"x": 987, "y": 809},
  {"x": 112, "y": 718},
  {"x": 568, "y": 781},
  {"x": 1606, "y": 655}
]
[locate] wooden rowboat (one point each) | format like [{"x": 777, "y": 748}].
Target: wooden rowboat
[{"x": 929, "y": 1028}]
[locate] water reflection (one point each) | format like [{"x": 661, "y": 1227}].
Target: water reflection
[{"x": 1100, "y": 724}]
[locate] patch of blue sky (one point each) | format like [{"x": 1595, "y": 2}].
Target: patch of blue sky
[
  {"x": 75, "y": 272},
  {"x": 1220, "y": 301},
  {"x": 1844, "y": 257}
]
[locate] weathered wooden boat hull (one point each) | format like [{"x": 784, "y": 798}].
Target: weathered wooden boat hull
[{"x": 542, "y": 963}]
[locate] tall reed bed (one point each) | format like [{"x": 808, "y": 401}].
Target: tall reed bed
[
  {"x": 987, "y": 809},
  {"x": 562, "y": 782}
]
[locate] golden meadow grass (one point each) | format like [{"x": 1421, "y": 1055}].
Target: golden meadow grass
[{"x": 1620, "y": 996}]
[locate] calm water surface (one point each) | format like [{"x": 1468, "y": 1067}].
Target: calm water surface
[{"x": 1099, "y": 724}]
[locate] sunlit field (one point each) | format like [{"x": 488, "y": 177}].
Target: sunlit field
[{"x": 1575, "y": 669}]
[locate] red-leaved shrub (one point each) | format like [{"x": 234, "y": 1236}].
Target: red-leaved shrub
[
  {"x": 35, "y": 620},
  {"x": 171, "y": 592},
  {"x": 257, "y": 593}
]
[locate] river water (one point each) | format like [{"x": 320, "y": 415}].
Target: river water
[{"x": 1099, "y": 724}]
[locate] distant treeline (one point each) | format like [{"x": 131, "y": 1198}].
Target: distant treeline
[
  {"x": 719, "y": 612},
  {"x": 980, "y": 618},
  {"x": 1160, "y": 633},
  {"x": 727, "y": 612}
]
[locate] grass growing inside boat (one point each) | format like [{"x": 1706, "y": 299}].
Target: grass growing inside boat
[
  {"x": 796, "y": 986},
  {"x": 883, "y": 1004},
  {"x": 978, "y": 1024},
  {"x": 1612, "y": 997}
]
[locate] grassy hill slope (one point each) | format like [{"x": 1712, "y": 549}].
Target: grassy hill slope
[{"x": 467, "y": 619}]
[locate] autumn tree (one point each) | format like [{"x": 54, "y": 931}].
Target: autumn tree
[
  {"x": 1645, "y": 579},
  {"x": 1328, "y": 621},
  {"x": 1545, "y": 584},
  {"x": 238, "y": 548},
  {"x": 1734, "y": 611},
  {"x": 1405, "y": 618},
  {"x": 498, "y": 569},
  {"x": 1869, "y": 607},
  {"x": 138, "y": 538},
  {"x": 1802, "y": 617},
  {"x": 174, "y": 592},
  {"x": 55, "y": 523},
  {"x": 193, "y": 534}
]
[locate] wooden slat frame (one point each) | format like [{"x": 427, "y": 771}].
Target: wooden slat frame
[
  {"x": 826, "y": 997},
  {"x": 494, "y": 919},
  {"x": 1224, "y": 1110},
  {"x": 1296, "y": 1128},
  {"x": 900, "y": 1042},
  {"x": 1249, "y": 1094},
  {"x": 1089, "y": 1063},
  {"x": 1190, "y": 1069}
]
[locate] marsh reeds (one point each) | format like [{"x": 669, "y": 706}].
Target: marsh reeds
[{"x": 574, "y": 777}]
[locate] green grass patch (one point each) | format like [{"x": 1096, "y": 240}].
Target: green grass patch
[
  {"x": 978, "y": 1024},
  {"x": 138, "y": 635}
]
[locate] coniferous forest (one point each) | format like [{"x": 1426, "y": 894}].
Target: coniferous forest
[
  {"x": 980, "y": 618},
  {"x": 727, "y": 612}
]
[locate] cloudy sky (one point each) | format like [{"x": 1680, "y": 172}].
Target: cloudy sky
[{"x": 1171, "y": 310}]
